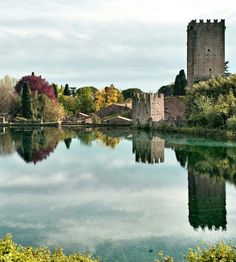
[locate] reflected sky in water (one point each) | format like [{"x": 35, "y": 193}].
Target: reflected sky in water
[{"x": 91, "y": 191}]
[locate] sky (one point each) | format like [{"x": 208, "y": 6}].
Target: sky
[{"x": 130, "y": 43}]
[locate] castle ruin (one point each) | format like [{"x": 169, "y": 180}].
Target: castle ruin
[
  {"x": 205, "y": 50},
  {"x": 147, "y": 108}
]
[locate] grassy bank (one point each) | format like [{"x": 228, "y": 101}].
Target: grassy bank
[{"x": 199, "y": 131}]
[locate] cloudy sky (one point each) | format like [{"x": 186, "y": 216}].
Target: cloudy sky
[{"x": 131, "y": 43}]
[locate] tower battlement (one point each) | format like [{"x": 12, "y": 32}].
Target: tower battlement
[
  {"x": 205, "y": 49},
  {"x": 206, "y": 22}
]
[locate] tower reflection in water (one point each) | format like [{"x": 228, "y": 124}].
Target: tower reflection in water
[
  {"x": 206, "y": 188},
  {"x": 148, "y": 148}
]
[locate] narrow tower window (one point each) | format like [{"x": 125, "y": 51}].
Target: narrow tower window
[{"x": 210, "y": 72}]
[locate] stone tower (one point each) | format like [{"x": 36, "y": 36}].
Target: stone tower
[
  {"x": 205, "y": 50},
  {"x": 147, "y": 108}
]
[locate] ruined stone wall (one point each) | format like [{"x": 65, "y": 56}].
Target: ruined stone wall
[
  {"x": 147, "y": 108},
  {"x": 205, "y": 50}
]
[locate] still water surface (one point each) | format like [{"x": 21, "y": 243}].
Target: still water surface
[{"x": 120, "y": 195}]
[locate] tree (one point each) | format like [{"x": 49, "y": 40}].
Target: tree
[
  {"x": 37, "y": 85},
  {"x": 227, "y": 73},
  {"x": 130, "y": 92},
  {"x": 86, "y": 100},
  {"x": 180, "y": 84},
  {"x": 55, "y": 88},
  {"x": 107, "y": 96},
  {"x": 26, "y": 103},
  {"x": 67, "y": 90},
  {"x": 53, "y": 111},
  {"x": 7, "y": 94},
  {"x": 167, "y": 90},
  {"x": 70, "y": 104}
]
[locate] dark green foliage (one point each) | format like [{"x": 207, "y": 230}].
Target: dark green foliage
[
  {"x": 167, "y": 90},
  {"x": 67, "y": 90},
  {"x": 130, "y": 92},
  {"x": 54, "y": 86},
  {"x": 26, "y": 103},
  {"x": 180, "y": 84},
  {"x": 227, "y": 73}
]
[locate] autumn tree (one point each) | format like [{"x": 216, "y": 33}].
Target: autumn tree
[
  {"x": 37, "y": 85},
  {"x": 107, "y": 96},
  {"x": 26, "y": 103}
]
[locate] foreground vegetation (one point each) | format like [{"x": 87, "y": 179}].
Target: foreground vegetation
[
  {"x": 12, "y": 252},
  {"x": 212, "y": 103}
]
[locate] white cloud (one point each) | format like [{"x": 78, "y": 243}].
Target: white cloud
[{"x": 138, "y": 43}]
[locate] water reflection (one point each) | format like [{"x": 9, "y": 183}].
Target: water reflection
[
  {"x": 209, "y": 165},
  {"x": 207, "y": 201},
  {"x": 148, "y": 148},
  {"x": 7, "y": 146},
  {"x": 93, "y": 187}
]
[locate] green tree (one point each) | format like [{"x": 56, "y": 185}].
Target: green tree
[
  {"x": 26, "y": 103},
  {"x": 180, "y": 84},
  {"x": 130, "y": 92},
  {"x": 86, "y": 100},
  {"x": 67, "y": 90},
  {"x": 167, "y": 90}
]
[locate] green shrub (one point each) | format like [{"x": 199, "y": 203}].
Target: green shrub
[{"x": 231, "y": 123}]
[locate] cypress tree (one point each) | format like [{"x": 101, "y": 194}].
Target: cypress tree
[
  {"x": 183, "y": 82},
  {"x": 54, "y": 86},
  {"x": 66, "y": 90},
  {"x": 26, "y": 102},
  {"x": 180, "y": 84}
]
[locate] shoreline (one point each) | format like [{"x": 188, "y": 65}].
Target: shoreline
[{"x": 188, "y": 130}]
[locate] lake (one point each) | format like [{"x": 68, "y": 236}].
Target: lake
[{"x": 121, "y": 195}]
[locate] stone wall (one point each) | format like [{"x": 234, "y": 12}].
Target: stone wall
[
  {"x": 175, "y": 108},
  {"x": 147, "y": 108},
  {"x": 205, "y": 50}
]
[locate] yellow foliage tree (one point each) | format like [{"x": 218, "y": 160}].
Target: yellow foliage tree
[{"x": 107, "y": 96}]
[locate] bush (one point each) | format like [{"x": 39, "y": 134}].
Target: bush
[
  {"x": 10, "y": 251},
  {"x": 219, "y": 252}
]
